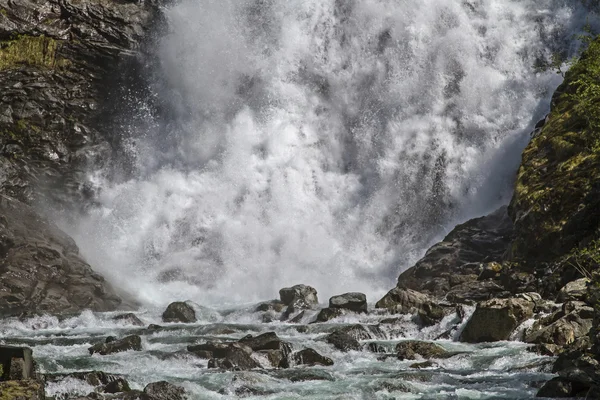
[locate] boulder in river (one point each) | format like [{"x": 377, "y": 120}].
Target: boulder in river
[
  {"x": 266, "y": 341},
  {"x": 311, "y": 357},
  {"x": 353, "y": 301},
  {"x": 297, "y": 298},
  {"x": 496, "y": 319},
  {"x": 327, "y": 314},
  {"x": 409, "y": 349},
  {"x": 132, "y": 342},
  {"x": 305, "y": 293},
  {"x": 179, "y": 311},
  {"x": 235, "y": 358},
  {"x": 164, "y": 391},
  {"x": 343, "y": 341}
]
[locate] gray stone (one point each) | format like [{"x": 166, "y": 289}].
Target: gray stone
[
  {"x": 354, "y": 301},
  {"x": 496, "y": 319},
  {"x": 179, "y": 311}
]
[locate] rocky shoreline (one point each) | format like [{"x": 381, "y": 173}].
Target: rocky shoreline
[{"x": 62, "y": 65}]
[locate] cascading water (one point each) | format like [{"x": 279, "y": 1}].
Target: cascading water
[{"x": 325, "y": 142}]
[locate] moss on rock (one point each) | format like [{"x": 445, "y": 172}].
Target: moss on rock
[
  {"x": 556, "y": 204},
  {"x": 40, "y": 51},
  {"x": 20, "y": 390}
]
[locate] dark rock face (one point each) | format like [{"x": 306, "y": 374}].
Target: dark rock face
[
  {"x": 179, "y": 312},
  {"x": 408, "y": 350},
  {"x": 356, "y": 302},
  {"x": 460, "y": 254},
  {"x": 311, "y": 357},
  {"x": 496, "y": 319},
  {"x": 58, "y": 78},
  {"x": 41, "y": 270},
  {"x": 132, "y": 342}
]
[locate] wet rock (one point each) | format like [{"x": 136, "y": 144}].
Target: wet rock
[
  {"x": 93, "y": 378},
  {"x": 496, "y": 319},
  {"x": 376, "y": 348},
  {"x": 235, "y": 358},
  {"x": 41, "y": 270},
  {"x": 353, "y": 301},
  {"x": 297, "y": 299},
  {"x": 471, "y": 292},
  {"x": 546, "y": 349},
  {"x": 217, "y": 349},
  {"x": 116, "y": 386},
  {"x": 557, "y": 388},
  {"x": 403, "y": 301},
  {"x": 480, "y": 240},
  {"x": 311, "y": 357},
  {"x": 343, "y": 341},
  {"x": 306, "y": 294},
  {"x": 563, "y": 331},
  {"x": 327, "y": 314},
  {"x": 179, "y": 312},
  {"x": 266, "y": 341},
  {"x": 164, "y": 391},
  {"x": 273, "y": 305},
  {"x": 409, "y": 349},
  {"x": 27, "y": 389},
  {"x": 421, "y": 365},
  {"x": 16, "y": 363},
  {"x": 575, "y": 290},
  {"x": 132, "y": 342},
  {"x": 129, "y": 318}
]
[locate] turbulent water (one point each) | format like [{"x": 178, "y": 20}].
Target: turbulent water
[
  {"x": 325, "y": 142},
  {"x": 502, "y": 370}
]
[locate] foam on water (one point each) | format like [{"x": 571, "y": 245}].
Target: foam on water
[{"x": 325, "y": 142}]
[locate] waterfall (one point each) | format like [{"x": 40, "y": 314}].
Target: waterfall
[{"x": 325, "y": 142}]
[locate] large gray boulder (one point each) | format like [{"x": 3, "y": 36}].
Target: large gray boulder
[
  {"x": 132, "y": 342},
  {"x": 297, "y": 299},
  {"x": 354, "y": 301},
  {"x": 179, "y": 311},
  {"x": 41, "y": 270},
  {"x": 496, "y": 319}
]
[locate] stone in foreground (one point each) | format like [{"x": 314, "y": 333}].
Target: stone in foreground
[
  {"x": 132, "y": 342},
  {"x": 311, "y": 357},
  {"x": 354, "y": 301},
  {"x": 409, "y": 349},
  {"x": 164, "y": 391},
  {"x": 496, "y": 319},
  {"x": 179, "y": 311}
]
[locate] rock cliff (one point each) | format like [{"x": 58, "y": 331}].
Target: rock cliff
[{"x": 65, "y": 67}]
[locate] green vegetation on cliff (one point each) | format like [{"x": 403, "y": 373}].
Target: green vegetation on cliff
[
  {"x": 38, "y": 51},
  {"x": 556, "y": 204}
]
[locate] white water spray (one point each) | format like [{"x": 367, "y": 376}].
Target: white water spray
[{"x": 325, "y": 142}]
